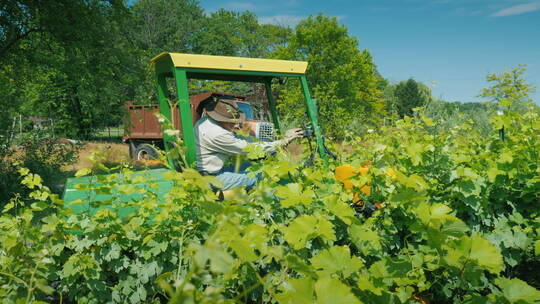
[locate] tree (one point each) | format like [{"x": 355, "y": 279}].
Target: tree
[
  {"x": 239, "y": 34},
  {"x": 158, "y": 26},
  {"x": 509, "y": 90},
  {"x": 509, "y": 96},
  {"x": 343, "y": 78},
  {"x": 407, "y": 95},
  {"x": 65, "y": 60}
]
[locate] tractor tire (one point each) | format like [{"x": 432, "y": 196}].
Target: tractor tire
[{"x": 146, "y": 152}]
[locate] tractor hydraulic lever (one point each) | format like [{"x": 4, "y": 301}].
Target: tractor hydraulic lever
[{"x": 309, "y": 134}]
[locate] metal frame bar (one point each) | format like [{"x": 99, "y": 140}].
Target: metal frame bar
[
  {"x": 312, "y": 113},
  {"x": 185, "y": 116},
  {"x": 164, "y": 109},
  {"x": 242, "y": 73},
  {"x": 272, "y": 104}
]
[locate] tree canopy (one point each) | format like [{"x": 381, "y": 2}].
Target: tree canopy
[
  {"x": 78, "y": 61},
  {"x": 344, "y": 79},
  {"x": 406, "y": 95}
]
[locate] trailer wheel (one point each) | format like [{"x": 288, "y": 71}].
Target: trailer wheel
[{"x": 146, "y": 152}]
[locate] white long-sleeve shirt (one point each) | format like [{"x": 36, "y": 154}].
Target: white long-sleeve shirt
[{"x": 216, "y": 144}]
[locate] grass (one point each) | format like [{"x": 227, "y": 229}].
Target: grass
[{"x": 109, "y": 153}]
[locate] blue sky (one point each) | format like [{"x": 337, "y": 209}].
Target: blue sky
[{"x": 450, "y": 45}]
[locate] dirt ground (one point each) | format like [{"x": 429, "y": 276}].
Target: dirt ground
[{"x": 107, "y": 153}]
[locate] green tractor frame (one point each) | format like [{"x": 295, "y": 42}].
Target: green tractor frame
[
  {"x": 182, "y": 67},
  {"x": 80, "y": 194}
]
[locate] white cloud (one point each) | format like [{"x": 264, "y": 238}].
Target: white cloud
[
  {"x": 517, "y": 9},
  {"x": 283, "y": 20}
]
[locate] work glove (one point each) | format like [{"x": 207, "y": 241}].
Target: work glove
[{"x": 294, "y": 133}]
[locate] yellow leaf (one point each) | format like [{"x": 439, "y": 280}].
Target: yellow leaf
[
  {"x": 83, "y": 172},
  {"x": 345, "y": 172}
]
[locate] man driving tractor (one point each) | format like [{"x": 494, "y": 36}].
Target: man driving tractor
[{"x": 217, "y": 140}]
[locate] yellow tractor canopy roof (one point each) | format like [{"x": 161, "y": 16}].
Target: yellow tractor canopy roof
[{"x": 233, "y": 63}]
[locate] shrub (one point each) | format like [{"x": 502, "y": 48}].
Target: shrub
[{"x": 43, "y": 155}]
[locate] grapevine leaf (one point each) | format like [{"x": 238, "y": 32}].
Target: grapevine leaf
[
  {"x": 83, "y": 172},
  {"x": 280, "y": 169},
  {"x": 293, "y": 194},
  {"x": 254, "y": 151},
  {"x": 325, "y": 229},
  {"x": 406, "y": 195},
  {"x": 366, "y": 240},
  {"x": 439, "y": 211},
  {"x": 242, "y": 248},
  {"x": 32, "y": 181},
  {"x": 307, "y": 227},
  {"x": 506, "y": 157},
  {"x": 515, "y": 290},
  {"x": 486, "y": 254},
  {"x": 220, "y": 260},
  {"x": 476, "y": 248},
  {"x": 42, "y": 285},
  {"x": 404, "y": 293},
  {"x": 24, "y": 171},
  {"x": 294, "y": 262},
  {"x": 295, "y": 291},
  {"x": 337, "y": 259},
  {"x": 300, "y": 231},
  {"x": 254, "y": 237},
  {"x": 340, "y": 209},
  {"x": 414, "y": 152},
  {"x": 492, "y": 174},
  {"x": 387, "y": 268},
  {"x": 455, "y": 228},
  {"x": 332, "y": 291},
  {"x": 364, "y": 283}
]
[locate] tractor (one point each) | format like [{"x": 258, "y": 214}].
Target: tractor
[{"x": 177, "y": 69}]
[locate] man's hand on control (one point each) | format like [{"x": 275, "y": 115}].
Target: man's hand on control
[
  {"x": 294, "y": 133},
  {"x": 250, "y": 126}
]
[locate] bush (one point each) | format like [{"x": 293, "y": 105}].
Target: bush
[{"x": 40, "y": 153}]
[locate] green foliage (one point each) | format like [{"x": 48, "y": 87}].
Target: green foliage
[
  {"x": 344, "y": 79},
  {"x": 40, "y": 153},
  {"x": 509, "y": 90},
  {"x": 154, "y": 27},
  {"x": 404, "y": 96},
  {"x": 508, "y": 95},
  {"x": 459, "y": 222},
  {"x": 78, "y": 62},
  {"x": 460, "y": 216},
  {"x": 59, "y": 66},
  {"x": 447, "y": 115},
  {"x": 239, "y": 34}
]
